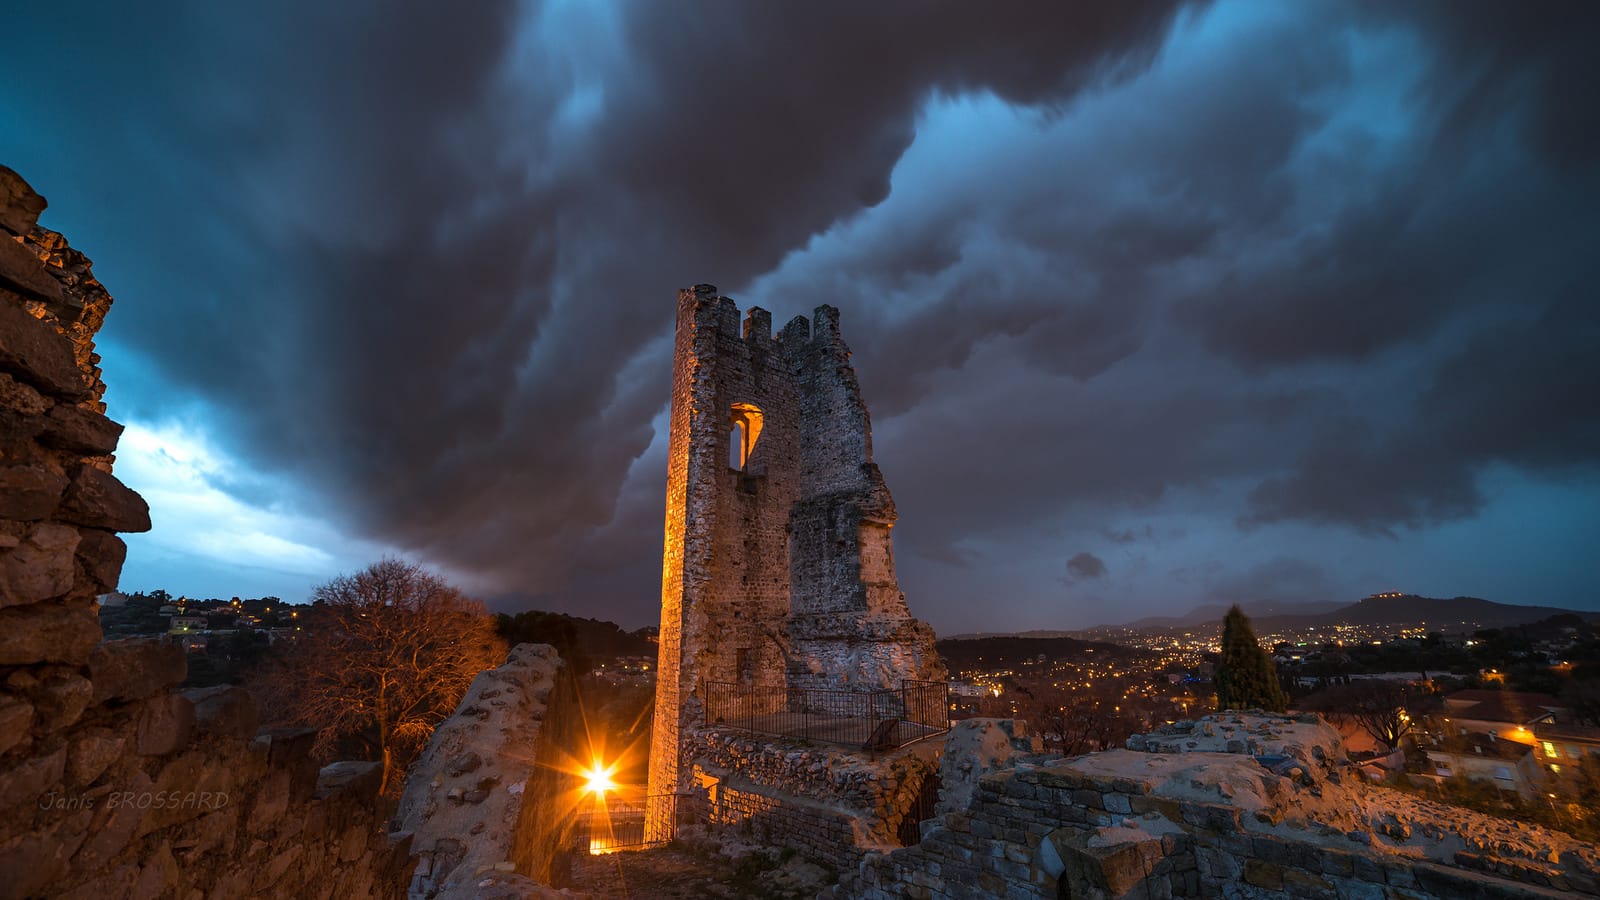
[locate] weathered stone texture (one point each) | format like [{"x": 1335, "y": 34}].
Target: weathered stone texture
[
  {"x": 31, "y": 350},
  {"x": 464, "y": 797},
  {"x": 1229, "y": 806},
  {"x": 110, "y": 784},
  {"x": 778, "y": 567},
  {"x": 828, "y": 802},
  {"x": 20, "y": 204}
]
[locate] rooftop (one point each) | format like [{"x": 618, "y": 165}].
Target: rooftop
[{"x": 1514, "y": 707}]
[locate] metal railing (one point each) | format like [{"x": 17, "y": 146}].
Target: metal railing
[
  {"x": 618, "y": 824},
  {"x": 871, "y": 720}
]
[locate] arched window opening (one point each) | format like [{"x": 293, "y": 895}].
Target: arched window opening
[{"x": 744, "y": 434}]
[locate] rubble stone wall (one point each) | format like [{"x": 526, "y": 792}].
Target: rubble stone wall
[
  {"x": 777, "y": 569},
  {"x": 474, "y": 792},
  {"x": 875, "y": 790},
  {"x": 829, "y": 803},
  {"x": 112, "y": 784},
  {"x": 817, "y": 832},
  {"x": 1230, "y": 806},
  {"x": 547, "y": 822}
]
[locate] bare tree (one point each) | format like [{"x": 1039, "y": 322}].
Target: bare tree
[
  {"x": 1075, "y": 722},
  {"x": 1377, "y": 706},
  {"x": 384, "y": 656}
]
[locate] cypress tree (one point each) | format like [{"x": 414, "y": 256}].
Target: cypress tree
[{"x": 1245, "y": 677}]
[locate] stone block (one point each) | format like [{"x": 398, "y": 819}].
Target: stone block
[
  {"x": 30, "y": 493},
  {"x": 91, "y": 753},
  {"x": 25, "y": 782},
  {"x": 116, "y": 883},
  {"x": 289, "y": 749},
  {"x": 1397, "y": 875},
  {"x": 23, "y": 401},
  {"x": 354, "y": 843},
  {"x": 1262, "y": 874},
  {"x": 16, "y": 716},
  {"x": 20, "y": 204},
  {"x": 117, "y": 820},
  {"x": 1087, "y": 798},
  {"x": 135, "y": 668},
  {"x": 28, "y": 866},
  {"x": 59, "y": 696},
  {"x": 190, "y": 785},
  {"x": 1338, "y": 862},
  {"x": 101, "y": 555},
  {"x": 158, "y": 877},
  {"x": 23, "y": 272},
  {"x": 225, "y": 710},
  {"x": 48, "y": 632},
  {"x": 1300, "y": 883},
  {"x": 1095, "y": 867},
  {"x": 38, "y": 354},
  {"x": 360, "y": 779},
  {"x": 270, "y": 802},
  {"x": 1358, "y": 890},
  {"x": 1217, "y": 865},
  {"x": 80, "y": 430},
  {"x": 165, "y": 725},
  {"x": 40, "y": 567},
  {"x": 97, "y": 499}
]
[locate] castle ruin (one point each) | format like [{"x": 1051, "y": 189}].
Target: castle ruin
[{"x": 778, "y": 569}]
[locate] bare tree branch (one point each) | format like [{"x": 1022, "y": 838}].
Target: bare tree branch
[{"x": 383, "y": 657}]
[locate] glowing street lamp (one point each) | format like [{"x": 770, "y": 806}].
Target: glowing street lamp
[{"x": 598, "y": 781}]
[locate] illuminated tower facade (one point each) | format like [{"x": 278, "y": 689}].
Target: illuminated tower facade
[{"x": 778, "y": 567}]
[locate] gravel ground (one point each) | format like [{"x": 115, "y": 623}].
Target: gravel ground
[{"x": 700, "y": 871}]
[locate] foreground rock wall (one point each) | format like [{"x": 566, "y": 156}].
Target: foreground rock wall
[
  {"x": 464, "y": 796},
  {"x": 1230, "y": 806},
  {"x": 547, "y": 826},
  {"x": 112, "y": 784}
]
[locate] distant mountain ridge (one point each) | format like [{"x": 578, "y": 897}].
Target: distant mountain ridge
[
  {"x": 962, "y": 652},
  {"x": 1445, "y": 614},
  {"x": 1214, "y": 612}
]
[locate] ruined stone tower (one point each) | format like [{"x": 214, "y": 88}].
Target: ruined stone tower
[{"x": 778, "y": 568}]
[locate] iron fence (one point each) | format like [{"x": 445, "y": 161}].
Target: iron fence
[
  {"x": 871, "y": 720},
  {"x": 630, "y": 824}
]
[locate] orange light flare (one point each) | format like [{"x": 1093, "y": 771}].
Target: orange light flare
[{"x": 597, "y": 779}]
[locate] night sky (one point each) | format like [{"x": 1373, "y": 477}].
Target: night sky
[{"x": 1154, "y": 305}]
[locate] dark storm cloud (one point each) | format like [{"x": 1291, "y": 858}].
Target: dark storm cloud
[
  {"x": 1526, "y": 395},
  {"x": 1387, "y": 288},
  {"x": 428, "y": 253},
  {"x": 1275, "y": 265},
  {"x": 1281, "y": 578},
  {"x": 1085, "y": 565},
  {"x": 1126, "y": 535}
]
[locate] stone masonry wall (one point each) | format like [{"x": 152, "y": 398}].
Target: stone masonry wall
[
  {"x": 820, "y": 834},
  {"x": 777, "y": 569},
  {"x": 1231, "y": 806},
  {"x": 819, "y": 793},
  {"x": 848, "y": 624},
  {"x": 111, "y": 783}
]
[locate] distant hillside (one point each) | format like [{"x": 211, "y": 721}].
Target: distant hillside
[
  {"x": 962, "y": 653},
  {"x": 1203, "y": 615},
  {"x": 1443, "y": 614},
  {"x": 1446, "y": 614},
  {"x": 582, "y": 642}
]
